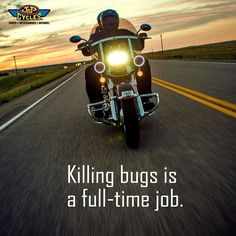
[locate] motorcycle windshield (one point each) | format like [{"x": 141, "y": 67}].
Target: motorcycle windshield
[
  {"x": 116, "y": 47},
  {"x": 114, "y": 40}
]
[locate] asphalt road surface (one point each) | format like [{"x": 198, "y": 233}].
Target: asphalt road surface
[{"x": 195, "y": 141}]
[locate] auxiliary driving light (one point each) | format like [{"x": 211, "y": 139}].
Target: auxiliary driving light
[
  {"x": 117, "y": 58},
  {"x": 139, "y": 61},
  {"x": 99, "y": 67}
]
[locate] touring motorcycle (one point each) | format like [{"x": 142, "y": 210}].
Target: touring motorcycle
[{"x": 118, "y": 61}]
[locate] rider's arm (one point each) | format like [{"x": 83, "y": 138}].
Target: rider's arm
[
  {"x": 142, "y": 37},
  {"x": 88, "y": 51}
]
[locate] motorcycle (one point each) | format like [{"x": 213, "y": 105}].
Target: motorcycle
[{"x": 118, "y": 62}]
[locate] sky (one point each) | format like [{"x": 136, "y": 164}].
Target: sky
[{"x": 181, "y": 22}]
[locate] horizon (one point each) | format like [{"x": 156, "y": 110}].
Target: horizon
[
  {"x": 182, "y": 23},
  {"x": 84, "y": 58}
]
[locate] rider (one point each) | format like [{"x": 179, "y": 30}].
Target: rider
[{"x": 108, "y": 23}]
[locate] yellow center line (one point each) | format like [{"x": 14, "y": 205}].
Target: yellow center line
[
  {"x": 220, "y": 102},
  {"x": 194, "y": 97}
]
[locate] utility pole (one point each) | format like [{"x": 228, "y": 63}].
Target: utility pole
[
  {"x": 15, "y": 65},
  {"x": 161, "y": 44}
]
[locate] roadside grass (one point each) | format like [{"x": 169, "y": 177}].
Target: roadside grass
[
  {"x": 216, "y": 51},
  {"x": 13, "y": 86}
]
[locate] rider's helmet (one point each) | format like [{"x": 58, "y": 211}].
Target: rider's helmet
[{"x": 108, "y": 19}]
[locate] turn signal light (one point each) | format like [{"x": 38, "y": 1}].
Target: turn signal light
[
  {"x": 140, "y": 73},
  {"x": 102, "y": 80}
]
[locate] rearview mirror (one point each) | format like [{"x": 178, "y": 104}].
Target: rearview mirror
[
  {"x": 75, "y": 39},
  {"x": 145, "y": 27}
]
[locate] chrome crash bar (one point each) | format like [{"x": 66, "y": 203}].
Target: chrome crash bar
[{"x": 113, "y": 119}]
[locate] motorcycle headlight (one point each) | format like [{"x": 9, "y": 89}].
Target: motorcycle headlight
[{"x": 117, "y": 58}]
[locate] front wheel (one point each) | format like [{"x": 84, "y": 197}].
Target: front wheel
[{"x": 131, "y": 123}]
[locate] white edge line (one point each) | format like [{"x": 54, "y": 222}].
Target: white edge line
[{"x": 12, "y": 120}]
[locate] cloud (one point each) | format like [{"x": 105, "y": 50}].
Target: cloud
[
  {"x": 3, "y": 35},
  {"x": 5, "y": 46},
  {"x": 6, "y": 4},
  {"x": 45, "y": 44},
  {"x": 42, "y": 46},
  {"x": 5, "y": 16},
  {"x": 53, "y": 35},
  {"x": 67, "y": 11},
  {"x": 16, "y": 41},
  {"x": 167, "y": 21},
  {"x": 7, "y": 43}
]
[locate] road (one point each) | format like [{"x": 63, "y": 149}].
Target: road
[{"x": 195, "y": 141}]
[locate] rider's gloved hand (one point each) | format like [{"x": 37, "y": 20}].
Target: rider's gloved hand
[
  {"x": 142, "y": 35},
  {"x": 81, "y": 46},
  {"x": 84, "y": 48}
]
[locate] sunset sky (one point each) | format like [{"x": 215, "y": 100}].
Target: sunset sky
[{"x": 182, "y": 23}]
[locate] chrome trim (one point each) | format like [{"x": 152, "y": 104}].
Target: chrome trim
[
  {"x": 142, "y": 61},
  {"x": 101, "y": 51},
  {"x": 95, "y": 67},
  {"x": 99, "y": 121},
  {"x": 114, "y": 119},
  {"x": 156, "y": 95},
  {"x": 140, "y": 106},
  {"x": 112, "y": 38},
  {"x": 131, "y": 48},
  {"x": 113, "y": 109}
]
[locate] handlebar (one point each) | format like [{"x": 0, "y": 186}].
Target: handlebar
[{"x": 91, "y": 43}]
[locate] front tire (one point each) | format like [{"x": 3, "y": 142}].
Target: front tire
[{"x": 131, "y": 123}]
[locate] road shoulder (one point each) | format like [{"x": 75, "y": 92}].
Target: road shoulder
[{"x": 14, "y": 107}]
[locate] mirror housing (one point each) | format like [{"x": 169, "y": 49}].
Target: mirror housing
[
  {"x": 75, "y": 39},
  {"x": 145, "y": 27}
]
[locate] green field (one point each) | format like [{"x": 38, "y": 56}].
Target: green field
[
  {"x": 216, "y": 51},
  {"x": 13, "y": 86}
]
